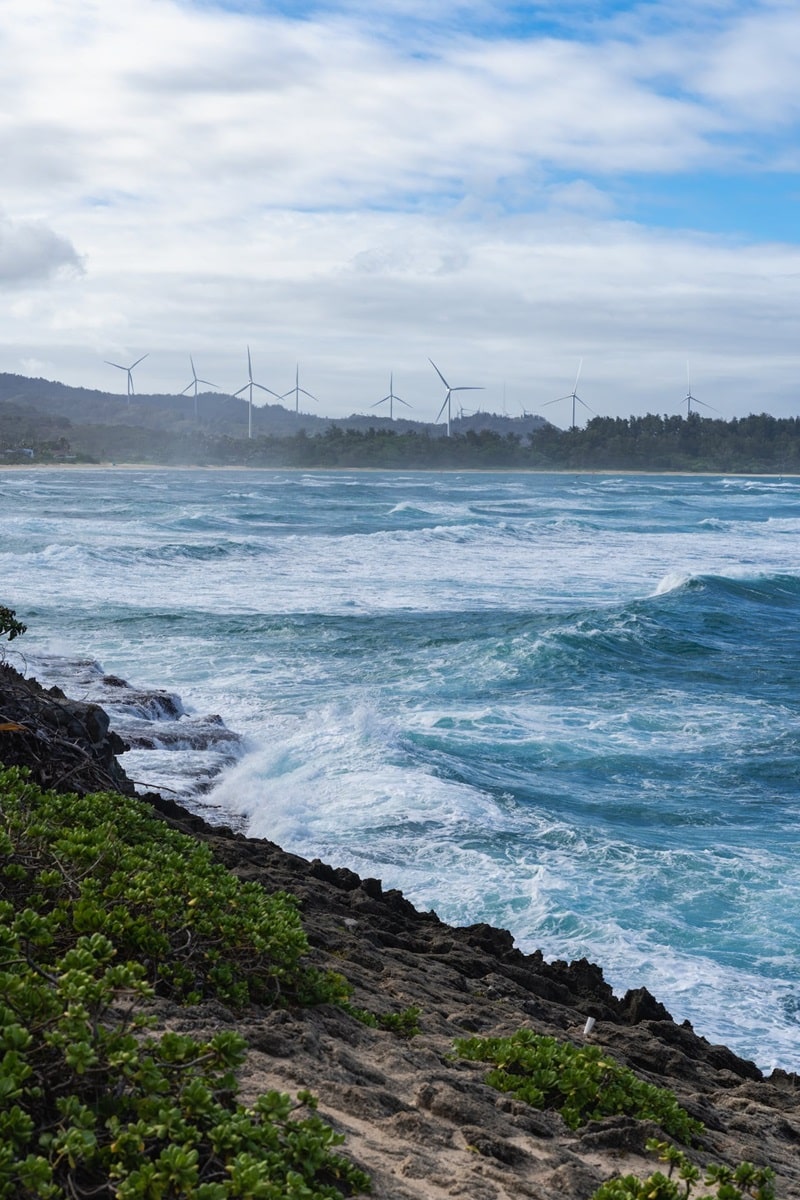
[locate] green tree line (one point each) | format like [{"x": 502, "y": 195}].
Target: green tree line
[{"x": 748, "y": 445}]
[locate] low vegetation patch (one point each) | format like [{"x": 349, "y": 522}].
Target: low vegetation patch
[
  {"x": 404, "y": 1023},
  {"x": 684, "y": 1178},
  {"x": 104, "y": 863},
  {"x": 582, "y": 1083},
  {"x": 101, "y": 906}
]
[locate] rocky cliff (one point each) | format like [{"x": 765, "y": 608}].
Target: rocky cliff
[{"x": 423, "y": 1123}]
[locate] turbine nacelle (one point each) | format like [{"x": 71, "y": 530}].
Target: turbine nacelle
[
  {"x": 449, "y": 393},
  {"x": 296, "y": 391},
  {"x": 391, "y": 398},
  {"x": 574, "y": 397},
  {"x": 248, "y": 387},
  {"x": 129, "y": 369}
]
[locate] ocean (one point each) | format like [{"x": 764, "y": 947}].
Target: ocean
[{"x": 567, "y": 705}]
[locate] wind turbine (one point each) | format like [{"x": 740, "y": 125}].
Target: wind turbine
[
  {"x": 194, "y": 384},
  {"x": 573, "y": 396},
  {"x": 689, "y": 399},
  {"x": 296, "y": 390},
  {"x": 251, "y": 383},
  {"x": 391, "y": 398},
  {"x": 448, "y": 394},
  {"x": 129, "y": 369}
]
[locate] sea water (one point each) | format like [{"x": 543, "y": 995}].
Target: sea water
[{"x": 567, "y": 705}]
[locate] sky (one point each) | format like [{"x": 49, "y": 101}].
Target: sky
[{"x": 518, "y": 191}]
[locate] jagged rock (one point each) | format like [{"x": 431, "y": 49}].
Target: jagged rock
[
  {"x": 422, "y": 1122},
  {"x": 66, "y": 744}
]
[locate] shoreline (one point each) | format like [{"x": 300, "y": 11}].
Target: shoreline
[
  {"x": 419, "y": 1120},
  {"x": 560, "y": 471},
  {"x": 218, "y": 817}
]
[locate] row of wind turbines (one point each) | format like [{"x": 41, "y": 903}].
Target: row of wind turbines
[{"x": 391, "y": 398}]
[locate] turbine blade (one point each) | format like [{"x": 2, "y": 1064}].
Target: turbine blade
[
  {"x": 439, "y": 373},
  {"x": 441, "y": 410},
  {"x": 135, "y": 364},
  {"x": 266, "y": 389},
  {"x": 468, "y": 389},
  {"x": 577, "y": 377},
  {"x": 110, "y": 364},
  {"x": 399, "y": 401},
  {"x": 249, "y": 364},
  {"x": 189, "y": 385}
]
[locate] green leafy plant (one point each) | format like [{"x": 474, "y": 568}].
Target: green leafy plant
[
  {"x": 105, "y": 863},
  {"x": 10, "y": 627},
  {"x": 730, "y": 1183},
  {"x": 582, "y": 1083},
  {"x": 404, "y": 1023},
  {"x": 102, "y": 906},
  {"x": 90, "y": 1105}
]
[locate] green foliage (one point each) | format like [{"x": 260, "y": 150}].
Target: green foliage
[
  {"x": 580, "y": 1082},
  {"x": 730, "y": 1183},
  {"x": 90, "y": 1105},
  {"x": 104, "y": 863},
  {"x": 404, "y": 1023},
  {"x": 10, "y": 627},
  {"x": 101, "y": 904}
]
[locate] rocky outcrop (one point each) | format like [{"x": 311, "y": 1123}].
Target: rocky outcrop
[
  {"x": 66, "y": 744},
  {"x": 423, "y": 1123}
]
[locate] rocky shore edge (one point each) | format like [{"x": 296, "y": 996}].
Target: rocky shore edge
[{"x": 423, "y": 1124}]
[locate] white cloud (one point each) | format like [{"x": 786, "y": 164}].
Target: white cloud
[
  {"x": 31, "y": 252},
  {"x": 360, "y": 201}
]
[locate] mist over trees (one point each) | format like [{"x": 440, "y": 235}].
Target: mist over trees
[{"x": 47, "y": 422}]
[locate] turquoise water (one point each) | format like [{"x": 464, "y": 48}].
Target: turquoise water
[{"x": 565, "y": 705}]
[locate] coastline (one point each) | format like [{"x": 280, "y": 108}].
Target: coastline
[
  {"x": 326, "y": 470},
  {"x": 423, "y": 1124}
]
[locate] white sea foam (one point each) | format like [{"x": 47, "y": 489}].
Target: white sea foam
[{"x": 495, "y": 692}]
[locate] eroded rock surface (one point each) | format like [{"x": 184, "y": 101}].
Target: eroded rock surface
[{"x": 421, "y": 1122}]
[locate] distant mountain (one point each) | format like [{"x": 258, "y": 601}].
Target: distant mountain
[{"x": 217, "y": 414}]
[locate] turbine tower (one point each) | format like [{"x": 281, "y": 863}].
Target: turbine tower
[
  {"x": 449, "y": 393},
  {"x": 194, "y": 384},
  {"x": 248, "y": 387},
  {"x": 391, "y": 398},
  {"x": 574, "y": 397},
  {"x": 296, "y": 390},
  {"x": 129, "y": 369},
  {"x": 689, "y": 399}
]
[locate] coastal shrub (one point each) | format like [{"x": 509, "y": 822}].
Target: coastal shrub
[
  {"x": 10, "y": 627},
  {"x": 101, "y": 907},
  {"x": 729, "y": 1183},
  {"x": 103, "y": 863},
  {"x": 93, "y": 1106},
  {"x": 404, "y": 1023},
  {"x": 582, "y": 1083}
]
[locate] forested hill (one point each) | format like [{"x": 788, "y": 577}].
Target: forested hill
[
  {"x": 45, "y": 422},
  {"x": 32, "y": 404}
]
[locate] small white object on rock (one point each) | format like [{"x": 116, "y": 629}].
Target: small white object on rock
[{"x": 589, "y": 1026}]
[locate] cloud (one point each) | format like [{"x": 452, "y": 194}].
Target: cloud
[
  {"x": 457, "y": 181},
  {"x": 30, "y": 252}
]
